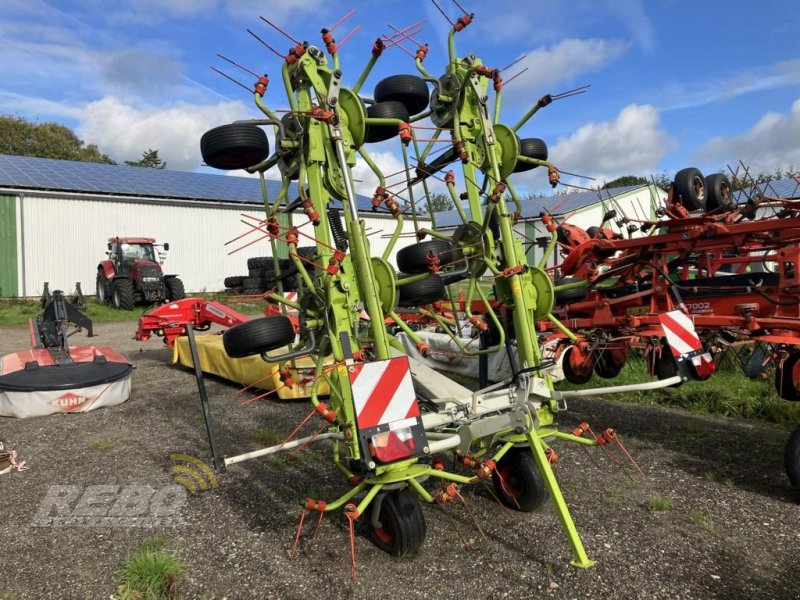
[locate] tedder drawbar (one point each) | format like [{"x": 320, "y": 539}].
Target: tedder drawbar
[{"x": 389, "y": 417}]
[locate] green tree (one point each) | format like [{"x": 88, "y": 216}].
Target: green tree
[
  {"x": 624, "y": 181},
  {"x": 149, "y": 159},
  {"x": 21, "y": 137},
  {"x": 439, "y": 203}
]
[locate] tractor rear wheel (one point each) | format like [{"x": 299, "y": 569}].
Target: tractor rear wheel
[
  {"x": 792, "y": 457},
  {"x": 101, "y": 287},
  {"x": 258, "y": 336},
  {"x": 122, "y": 296},
  {"x": 399, "y": 527},
  {"x": 234, "y": 146},
  {"x": 518, "y": 481},
  {"x": 175, "y": 290}
]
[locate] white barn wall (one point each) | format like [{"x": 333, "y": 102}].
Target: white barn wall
[{"x": 63, "y": 239}]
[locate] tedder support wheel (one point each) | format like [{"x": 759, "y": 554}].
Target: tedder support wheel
[
  {"x": 101, "y": 287},
  {"x": 531, "y": 148},
  {"x": 399, "y": 527},
  {"x": 571, "y": 295},
  {"x": 518, "y": 481},
  {"x": 234, "y": 146},
  {"x": 411, "y": 91},
  {"x": 792, "y": 457},
  {"x": 786, "y": 378},
  {"x": 664, "y": 366},
  {"x": 257, "y": 336},
  {"x": 122, "y": 294},
  {"x": 605, "y": 366},
  {"x": 418, "y": 293},
  {"x": 579, "y": 372},
  {"x": 414, "y": 259},
  {"x": 384, "y": 110},
  {"x": 175, "y": 289},
  {"x": 690, "y": 188}
]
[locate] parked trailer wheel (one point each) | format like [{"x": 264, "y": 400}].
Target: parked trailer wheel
[
  {"x": 257, "y": 336},
  {"x": 420, "y": 293},
  {"x": 518, "y": 481},
  {"x": 413, "y": 259},
  {"x": 122, "y": 296},
  {"x": 175, "y": 289},
  {"x": 411, "y": 91},
  {"x": 101, "y": 287},
  {"x": 690, "y": 188},
  {"x": 787, "y": 378},
  {"x": 234, "y": 146},
  {"x": 399, "y": 527},
  {"x": 792, "y": 457}
]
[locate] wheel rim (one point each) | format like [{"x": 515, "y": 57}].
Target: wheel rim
[
  {"x": 384, "y": 536},
  {"x": 510, "y": 482},
  {"x": 699, "y": 187}
]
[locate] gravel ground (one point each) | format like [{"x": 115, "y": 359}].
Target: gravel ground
[{"x": 731, "y": 532}]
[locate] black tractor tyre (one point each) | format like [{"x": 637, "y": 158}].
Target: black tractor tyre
[
  {"x": 792, "y": 458},
  {"x": 422, "y": 292},
  {"x": 784, "y": 379},
  {"x": 719, "y": 193},
  {"x": 604, "y": 365},
  {"x": 252, "y": 291},
  {"x": 384, "y": 110},
  {"x": 122, "y": 296},
  {"x": 101, "y": 288},
  {"x": 235, "y": 281},
  {"x": 413, "y": 259},
  {"x": 267, "y": 262},
  {"x": 518, "y": 481},
  {"x": 401, "y": 531},
  {"x": 565, "y": 296},
  {"x": 257, "y": 336},
  {"x": 175, "y": 289},
  {"x": 255, "y": 282},
  {"x": 409, "y": 90},
  {"x": 532, "y": 148},
  {"x": 234, "y": 146},
  {"x": 689, "y": 187},
  {"x": 571, "y": 375}
]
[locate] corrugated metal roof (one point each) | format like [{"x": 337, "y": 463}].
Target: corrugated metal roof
[
  {"x": 558, "y": 204},
  {"x": 25, "y": 172},
  {"x": 781, "y": 188}
]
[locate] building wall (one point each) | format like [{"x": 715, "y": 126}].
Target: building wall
[
  {"x": 8, "y": 246},
  {"x": 62, "y": 239}
]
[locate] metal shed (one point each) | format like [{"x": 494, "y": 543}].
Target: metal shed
[{"x": 56, "y": 216}]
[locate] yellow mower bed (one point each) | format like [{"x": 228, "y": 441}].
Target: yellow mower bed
[{"x": 247, "y": 371}]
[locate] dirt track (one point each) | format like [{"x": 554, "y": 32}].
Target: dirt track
[{"x": 733, "y": 530}]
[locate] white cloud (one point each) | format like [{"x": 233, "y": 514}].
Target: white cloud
[
  {"x": 632, "y": 144},
  {"x": 124, "y": 131},
  {"x": 771, "y": 143},
  {"x": 277, "y": 11},
  {"x": 566, "y": 61}
]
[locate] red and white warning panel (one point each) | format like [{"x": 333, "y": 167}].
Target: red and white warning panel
[
  {"x": 387, "y": 412},
  {"x": 685, "y": 343}
]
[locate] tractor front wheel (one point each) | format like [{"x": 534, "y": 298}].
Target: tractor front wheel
[
  {"x": 174, "y": 288},
  {"x": 518, "y": 481},
  {"x": 101, "y": 287},
  {"x": 399, "y": 526},
  {"x": 122, "y": 294}
]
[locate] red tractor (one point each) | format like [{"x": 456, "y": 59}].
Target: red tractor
[{"x": 132, "y": 274}]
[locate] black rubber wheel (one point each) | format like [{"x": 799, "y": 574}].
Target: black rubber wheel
[
  {"x": 384, "y": 110},
  {"x": 267, "y": 262},
  {"x": 532, "y": 148},
  {"x": 570, "y": 374},
  {"x": 252, "y": 291},
  {"x": 234, "y": 146},
  {"x": 122, "y": 294},
  {"x": 792, "y": 457},
  {"x": 411, "y": 91},
  {"x": 664, "y": 366},
  {"x": 234, "y": 281},
  {"x": 604, "y": 365},
  {"x": 420, "y": 293},
  {"x": 690, "y": 188},
  {"x": 564, "y": 296},
  {"x": 719, "y": 193},
  {"x": 101, "y": 287},
  {"x": 257, "y": 336},
  {"x": 413, "y": 259},
  {"x": 784, "y": 380},
  {"x": 522, "y": 487},
  {"x": 401, "y": 524},
  {"x": 255, "y": 282},
  {"x": 175, "y": 289},
  {"x": 593, "y": 231}
]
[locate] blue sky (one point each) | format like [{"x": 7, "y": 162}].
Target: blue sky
[{"x": 673, "y": 83}]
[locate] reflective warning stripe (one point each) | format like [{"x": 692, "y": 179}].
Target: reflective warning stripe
[
  {"x": 383, "y": 392},
  {"x": 680, "y": 333}
]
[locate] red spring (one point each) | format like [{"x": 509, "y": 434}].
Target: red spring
[
  {"x": 551, "y": 455},
  {"x": 553, "y": 176},
  {"x": 424, "y": 349},
  {"x": 433, "y": 262},
  {"x": 392, "y": 205},
  {"x": 509, "y": 271},
  {"x": 325, "y": 412},
  {"x": 497, "y": 192},
  {"x": 609, "y": 435},
  {"x": 485, "y": 71},
  {"x": 295, "y": 53},
  {"x": 545, "y": 100},
  {"x": 437, "y": 464},
  {"x": 458, "y": 145},
  {"x": 311, "y": 213},
  {"x": 330, "y": 43},
  {"x": 468, "y": 461},
  {"x": 478, "y": 322},
  {"x": 273, "y": 227},
  {"x": 405, "y": 133},
  {"x": 516, "y": 217},
  {"x": 320, "y": 114},
  {"x": 422, "y": 52},
  {"x": 355, "y": 480},
  {"x": 293, "y": 236},
  {"x": 315, "y": 505},
  {"x": 462, "y": 22},
  {"x": 378, "y": 47},
  {"x": 333, "y": 266},
  {"x": 421, "y": 235},
  {"x": 359, "y": 355},
  {"x": 549, "y": 223},
  {"x": 261, "y": 85},
  {"x": 498, "y": 82},
  {"x": 464, "y": 196},
  {"x": 580, "y": 429},
  {"x": 286, "y": 378},
  {"x": 450, "y": 177},
  {"x": 338, "y": 255}
]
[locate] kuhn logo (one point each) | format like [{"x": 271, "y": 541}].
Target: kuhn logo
[{"x": 70, "y": 401}]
